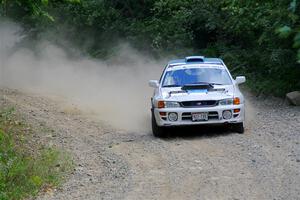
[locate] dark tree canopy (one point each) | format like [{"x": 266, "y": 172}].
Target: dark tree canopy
[{"x": 258, "y": 38}]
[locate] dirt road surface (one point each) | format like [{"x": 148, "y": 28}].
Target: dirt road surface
[{"x": 197, "y": 163}]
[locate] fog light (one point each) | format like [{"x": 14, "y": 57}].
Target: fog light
[
  {"x": 236, "y": 110},
  {"x": 163, "y": 113},
  {"x": 227, "y": 114},
  {"x": 173, "y": 117}
]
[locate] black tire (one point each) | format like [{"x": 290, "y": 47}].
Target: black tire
[
  {"x": 157, "y": 130},
  {"x": 239, "y": 128}
]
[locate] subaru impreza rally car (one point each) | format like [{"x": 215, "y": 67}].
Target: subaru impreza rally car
[{"x": 197, "y": 90}]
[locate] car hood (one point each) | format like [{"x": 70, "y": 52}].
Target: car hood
[{"x": 177, "y": 94}]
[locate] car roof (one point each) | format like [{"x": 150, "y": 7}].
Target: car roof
[{"x": 191, "y": 60}]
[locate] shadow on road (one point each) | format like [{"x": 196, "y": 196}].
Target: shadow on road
[{"x": 199, "y": 131}]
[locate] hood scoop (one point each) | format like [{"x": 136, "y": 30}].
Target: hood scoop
[
  {"x": 197, "y": 87},
  {"x": 201, "y": 87},
  {"x": 196, "y": 90}
]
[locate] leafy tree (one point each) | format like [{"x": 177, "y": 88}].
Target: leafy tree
[{"x": 259, "y": 38}]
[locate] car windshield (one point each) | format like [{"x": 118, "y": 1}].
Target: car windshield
[{"x": 181, "y": 77}]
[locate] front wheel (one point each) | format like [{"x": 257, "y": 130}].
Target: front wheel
[
  {"x": 239, "y": 128},
  {"x": 157, "y": 130}
]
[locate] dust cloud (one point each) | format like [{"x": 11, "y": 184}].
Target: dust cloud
[{"x": 115, "y": 91}]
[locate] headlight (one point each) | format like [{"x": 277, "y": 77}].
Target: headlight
[
  {"x": 172, "y": 104},
  {"x": 168, "y": 104},
  {"x": 226, "y": 102}
]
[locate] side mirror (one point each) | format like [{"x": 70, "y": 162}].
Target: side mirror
[
  {"x": 240, "y": 79},
  {"x": 153, "y": 83}
]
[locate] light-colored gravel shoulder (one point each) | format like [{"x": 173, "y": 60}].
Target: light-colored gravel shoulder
[{"x": 198, "y": 163}]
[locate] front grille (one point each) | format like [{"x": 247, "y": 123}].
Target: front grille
[
  {"x": 197, "y": 104},
  {"x": 187, "y": 116}
]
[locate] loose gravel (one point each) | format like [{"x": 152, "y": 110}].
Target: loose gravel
[{"x": 195, "y": 163}]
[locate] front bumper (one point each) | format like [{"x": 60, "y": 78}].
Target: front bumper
[{"x": 215, "y": 115}]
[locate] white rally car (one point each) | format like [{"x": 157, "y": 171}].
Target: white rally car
[{"x": 197, "y": 90}]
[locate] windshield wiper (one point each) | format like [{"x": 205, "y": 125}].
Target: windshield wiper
[
  {"x": 200, "y": 84},
  {"x": 206, "y": 83},
  {"x": 172, "y": 85}
]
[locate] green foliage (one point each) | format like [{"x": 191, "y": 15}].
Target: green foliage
[
  {"x": 260, "y": 38},
  {"x": 297, "y": 40},
  {"x": 284, "y": 32},
  {"x": 293, "y": 6},
  {"x": 24, "y": 170}
]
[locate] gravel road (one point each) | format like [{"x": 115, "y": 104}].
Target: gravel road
[{"x": 197, "y": 163}]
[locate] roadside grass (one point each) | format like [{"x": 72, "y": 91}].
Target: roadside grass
[{"x": 27, "y": 167}]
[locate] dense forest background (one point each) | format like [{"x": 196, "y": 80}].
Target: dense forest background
[{"x": 257, "y": 38}]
